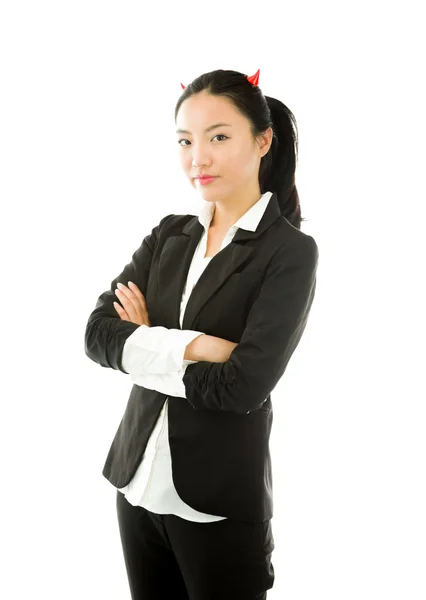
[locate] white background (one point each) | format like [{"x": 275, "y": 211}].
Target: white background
[{"x": 89, "y": 166}]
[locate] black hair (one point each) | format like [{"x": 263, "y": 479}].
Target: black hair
[{"x": 278, "y": 165}]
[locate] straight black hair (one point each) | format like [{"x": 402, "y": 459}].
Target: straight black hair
[{"x": 278, "y": 166}]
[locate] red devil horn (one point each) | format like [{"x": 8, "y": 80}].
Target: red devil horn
[
  {"x": 183, "y": 87},
  {"x": 254, "y": 79}
]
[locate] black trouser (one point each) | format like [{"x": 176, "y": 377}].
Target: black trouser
[{"x": 170, "y": 558}]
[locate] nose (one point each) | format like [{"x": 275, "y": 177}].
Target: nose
[
  {"x": 200, "y": 158},
  {"x": 199, "y": 164}
]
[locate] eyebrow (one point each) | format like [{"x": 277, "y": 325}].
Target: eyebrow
[{"x": 208, "y": 128}]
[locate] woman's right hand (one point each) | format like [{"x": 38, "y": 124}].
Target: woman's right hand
[
  {"x": 209, "y": 348},
  {"x": 217, "y": 349},
  {"x": 231, "y": 346}
]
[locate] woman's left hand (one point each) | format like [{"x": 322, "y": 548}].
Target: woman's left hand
[{"x": 134, "y": 305}]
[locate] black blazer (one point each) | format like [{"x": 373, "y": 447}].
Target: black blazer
[{"x": 257, "y": 292}]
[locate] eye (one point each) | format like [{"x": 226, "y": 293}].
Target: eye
[
  {"x": 185, "y": 140},
  {"x": 221, "y": 135}
]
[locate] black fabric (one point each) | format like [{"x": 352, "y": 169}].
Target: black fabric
[
  {"x": 168, "y": 557},
  {"x": 256, "y": 292}
]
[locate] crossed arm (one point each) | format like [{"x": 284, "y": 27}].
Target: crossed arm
[
  {"x": 219, "y": 378},
  {"x": 209, "y": 348},
  {"x": 157, "y": 358}
]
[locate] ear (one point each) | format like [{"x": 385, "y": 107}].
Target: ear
[{"x": 265, "y": 141}]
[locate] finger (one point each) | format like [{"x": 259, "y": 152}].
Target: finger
[
  {"x": 139, "y": 295},
  {"x": 134, "y": 288},
  {"x": 133, "y": 303},
  {"x": 128, "y": 300},
  {"x": 123, "y": 315},
  {"x": 129, "y": 294}
]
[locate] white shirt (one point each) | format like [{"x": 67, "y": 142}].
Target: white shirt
[{"x": 153, "y": 357}]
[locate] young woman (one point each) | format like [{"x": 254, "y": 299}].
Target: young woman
[{"x": 204, "y": 319}]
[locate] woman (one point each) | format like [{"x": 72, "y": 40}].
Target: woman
[{"x": 204, "y": 319}]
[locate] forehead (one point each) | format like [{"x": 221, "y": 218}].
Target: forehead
[{"x": 203, "y": 109}]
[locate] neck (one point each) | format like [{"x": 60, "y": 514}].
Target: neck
[{"x": 228, "y": 211}]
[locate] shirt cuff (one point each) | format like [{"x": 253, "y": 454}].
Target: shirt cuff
[
  {"x": 170, "y": 384},
  {"x": 157, "y": 350}
]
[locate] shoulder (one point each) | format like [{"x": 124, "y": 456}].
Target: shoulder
[
  {"x": 295, "y": 240},
  {"x": 288, "y": 237},
  {"x": 173, "y": 221}
]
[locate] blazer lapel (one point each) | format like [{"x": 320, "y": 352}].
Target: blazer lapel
[{"x": 175, "y": 261}]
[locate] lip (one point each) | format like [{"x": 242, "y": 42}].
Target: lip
[
  {"x": 205, "y": 180},
  {"x": 205, "y": 177}
]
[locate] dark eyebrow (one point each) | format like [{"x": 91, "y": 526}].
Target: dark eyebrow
[{"x": 206, "y": 130}]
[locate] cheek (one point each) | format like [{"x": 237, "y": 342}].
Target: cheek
[
  {"x": 237, "y": 163},
  {"x": 185, "y": 162}
]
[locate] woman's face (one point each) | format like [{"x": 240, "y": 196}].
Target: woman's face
[{"x": 228, "y": 152}]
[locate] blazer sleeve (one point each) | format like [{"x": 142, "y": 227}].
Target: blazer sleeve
[
  {"x": 106, "y": 333},
  {"x": 274, "y": 327}
]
